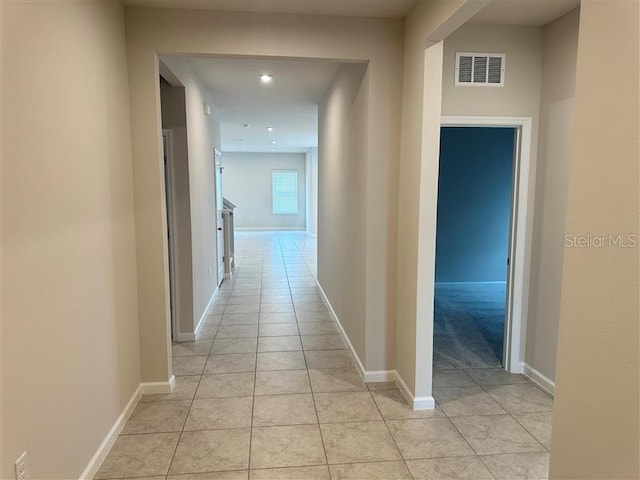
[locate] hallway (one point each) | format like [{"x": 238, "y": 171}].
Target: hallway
[{"x": 269, "y": 390}]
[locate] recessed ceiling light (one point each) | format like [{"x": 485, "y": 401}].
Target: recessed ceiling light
[
  {"x": 245, "y": 125},
  {"x": 270, "y": 129},
  {"x": 273, "y": 142},
  {"x": 273, "y": 149},
  {"x": 266, "y": 78}
]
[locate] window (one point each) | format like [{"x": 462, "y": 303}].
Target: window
[{"x": 285, "y": 192}]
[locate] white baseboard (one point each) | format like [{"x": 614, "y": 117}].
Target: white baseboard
[
  {"x": 417, "y": 403},
  {"x": 468, "y": 283},
  {"x": 191, "y": 337},
  {"x": 103, "y": 450},
  {"x": 424, "y": 403},
  {"x": 516, "y": 368},
  {"x": 539, "y": 379},
  {"x": 355, "y": 356},
  {"x": 374, "y": 376},
  {"x": 185, "y": 337},
  {"x": 205, "y": 312},
  {"x": 158, "y": 387},
  {"x": 112, "y": 435},
  {"x": 270, "y": 229}
]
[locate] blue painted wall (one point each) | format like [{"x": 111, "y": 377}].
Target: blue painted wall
[{"x": 474, "y": 204}]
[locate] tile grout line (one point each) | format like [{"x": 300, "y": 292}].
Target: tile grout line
[
  {"x": 313, "y": 398},
  {"x": 255, "y": 378},
  {"x": 404, "y": 460},
  {"x": 210, "y": 354},
  {"x": 377, "y": 408},
  {"x": 315, "y": 407},
  {"x": 173, "y": 456},
  {"x": 175, "y": 450},
  {"x": 476, "y": 454},
  {"x": 193, "y": 399},
  {"x": 485, "y": 389}
]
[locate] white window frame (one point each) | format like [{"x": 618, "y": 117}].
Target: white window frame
[{"x": 273, "y": 192}]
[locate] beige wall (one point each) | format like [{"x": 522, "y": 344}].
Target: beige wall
[
  {"x": 203, "y": 136},
  {"x": 417, "y": 186},
  {"x": 595, "y": 420},
  {"x": 205, "y": 32},
  {"x": 247, "y": 183},
  {"x": 69, "y": 318},
  {"x": 560, "y": 43},
  {"x": 520, "y": 95},
  {"x": 342, "y": 150},
  {"x": 174, "y": 118}
]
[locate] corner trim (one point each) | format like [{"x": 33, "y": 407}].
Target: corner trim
[
  {"x": 103, "y": 450},
  {"x": 517, "y": 368},
  {"x": 158, "y": 387},
  {"x": 424, "y": 403},
  {"x": 185, "y": 337},
  {"x": 373, "y": 376},
  {"x": 417, "y": 403},
  {"x": 539, "y": 379}
]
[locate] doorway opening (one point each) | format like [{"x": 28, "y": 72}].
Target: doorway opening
[
  {"x": 475, "y": 185},
  {"x": 258, "y": 119},
  {"x": 481, "y": 233},
  {"x": 166, "y": 156},
  {"x": 177, "y": 204}
]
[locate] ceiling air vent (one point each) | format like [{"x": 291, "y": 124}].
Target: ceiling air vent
[{"x": 480, "y": 69}]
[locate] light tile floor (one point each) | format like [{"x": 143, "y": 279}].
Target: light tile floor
[{"x": 269, "y": 391}]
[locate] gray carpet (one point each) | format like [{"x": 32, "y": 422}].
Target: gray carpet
[{"x": 469, "y": 325}]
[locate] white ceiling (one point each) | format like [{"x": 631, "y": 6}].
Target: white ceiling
[
  {"x": 288, "y": 103},
  {"x": 524, "y": 13},
  {"x": 531, "y": 13},
  {"x": 349, "y": 8}
]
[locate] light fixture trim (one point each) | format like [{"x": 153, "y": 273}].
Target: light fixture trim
[{"x": 266, "y": 78}]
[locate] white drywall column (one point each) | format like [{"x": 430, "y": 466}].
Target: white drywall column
[
  {"x": 427, "y": 24},
  {"x": 427, "y": 213}
]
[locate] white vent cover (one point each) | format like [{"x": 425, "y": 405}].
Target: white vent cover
[{"x": 480, "y": 69}]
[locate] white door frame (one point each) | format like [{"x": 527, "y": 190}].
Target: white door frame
[
  {"x": 167, "y": 143},
  {"x": 217, "y": 165},
  {"x": 520, "y": 235}
]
